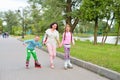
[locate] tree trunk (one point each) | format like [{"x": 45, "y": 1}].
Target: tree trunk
[
  {"x": 74, "y": 24},
  {"x": 106, "y": 32},
  {"x": 95, "y": 31},
  {"x": 103, "y": 39},
  {"x": 68, "y": 17},
  {"x": 105, "y": 35},
  {"x": 118, "y": 33},
  {"x": 68, "y": 10},
  {"x": 109, "y": 26}
]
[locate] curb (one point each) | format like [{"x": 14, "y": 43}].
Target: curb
[{"x": 113, "y": 75}]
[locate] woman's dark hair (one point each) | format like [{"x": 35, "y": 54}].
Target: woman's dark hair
[{"x": 53, "y": 24}]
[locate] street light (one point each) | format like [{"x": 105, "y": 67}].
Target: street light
[{"x": 22, "y": 17}]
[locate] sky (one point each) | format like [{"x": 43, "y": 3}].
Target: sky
[{"x": 6, "y": 5}]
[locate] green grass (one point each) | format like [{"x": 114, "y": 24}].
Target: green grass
[
  {"x": 103, "y": 55},
  {"x": 106, "y": 55},
  {"x": 31, "y": 37}
]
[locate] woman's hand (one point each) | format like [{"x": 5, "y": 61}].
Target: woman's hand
[{"x": 44, "y": 42}]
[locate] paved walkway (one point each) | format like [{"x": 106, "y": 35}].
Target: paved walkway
[{"x": 12, "y": 65}]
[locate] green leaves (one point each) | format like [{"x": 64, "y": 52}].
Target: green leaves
[
  {"x": 92, "y": 9},
  {"x": 11, "y": 19}
]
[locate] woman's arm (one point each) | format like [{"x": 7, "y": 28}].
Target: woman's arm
[
  {"x": 58, "y": 40},
  {"x": 45, "y": 38}
]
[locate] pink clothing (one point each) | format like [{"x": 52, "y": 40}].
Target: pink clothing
[
  {"x": 67, "y": 37},
  {"x": 52, "y": 52},
  {"x": 50, "y": 39}
]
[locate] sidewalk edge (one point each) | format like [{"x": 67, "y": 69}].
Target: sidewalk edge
[{"x": 113, "y": 75}]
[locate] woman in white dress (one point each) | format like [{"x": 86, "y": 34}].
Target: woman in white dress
[{"x": 51, "y": 39}]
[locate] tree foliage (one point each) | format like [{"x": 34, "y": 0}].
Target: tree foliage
[
  {"x": 1, "y": 26},
  {"x": 116, "y": 9},
  {"x": 11, "y": 19},
  {"x": 81, "y": 13},
  {"x": 94, "y": 11},
  {"x": 61, "y": 11}
]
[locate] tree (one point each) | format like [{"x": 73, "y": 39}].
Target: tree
[
  {"x": 72, "y": 14},
  {"x": 35, "y": 13},
  {"x": 1, "y": 22},
  {"x": 109, "y": 16},
  {"x": 117, "y": 18},
  {"x": 93, "y": 11},
  {"x": 62, "y": 10},
  {"x": 1, "y": 26},
  {"x": 11, "y": 19}
]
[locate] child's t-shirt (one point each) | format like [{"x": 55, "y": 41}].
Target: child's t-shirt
[
  {"x": 67, "y": 38},
  {"x": 32, "y": 44}
]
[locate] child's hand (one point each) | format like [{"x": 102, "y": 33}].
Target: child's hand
[
  {"x": 73, "y": 43},
  {"x": 24, "y": 44},
  {"x": 60, "y": 45}
]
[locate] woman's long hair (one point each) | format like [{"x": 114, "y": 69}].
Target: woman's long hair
[
  {"x": 67, "y": 25},
  {"x": 53, "y": 24}
]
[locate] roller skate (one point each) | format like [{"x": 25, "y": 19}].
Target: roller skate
[
  {"x": 27, "y": 64},
  {"x": 65, "y": 65},
  {"x": 37, "y": 65},
  {"x": 69, "y": 64}
]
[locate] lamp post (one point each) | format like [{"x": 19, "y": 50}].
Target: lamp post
[{"x": 22, "y": 17}]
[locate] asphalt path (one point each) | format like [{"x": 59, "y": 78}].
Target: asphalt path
[{"x": 12, "y": 65}]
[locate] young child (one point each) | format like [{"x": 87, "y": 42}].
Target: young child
[
  {"x": 31, "y": 50},
  {"x": 67, "y": 39}
]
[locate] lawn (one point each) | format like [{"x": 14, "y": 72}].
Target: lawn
[{"x": 106, "y": 55}]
